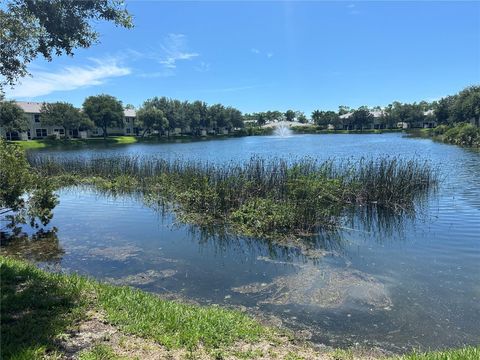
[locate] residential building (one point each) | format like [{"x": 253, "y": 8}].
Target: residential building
[{"x": 38, "y": 130}]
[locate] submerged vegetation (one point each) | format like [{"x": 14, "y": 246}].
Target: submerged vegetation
[
  {"x": 269, "y": 198},
  {"x": 52, "y": 316}
]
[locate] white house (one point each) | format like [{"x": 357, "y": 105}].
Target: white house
[{"x": 37, "y": 130}]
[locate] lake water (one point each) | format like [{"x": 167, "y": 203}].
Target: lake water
[{"x": 407, "y": 282}]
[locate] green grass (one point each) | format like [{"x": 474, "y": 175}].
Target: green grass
[
  {"x": 31, "y": 144},
  {"x": 44, "y": 143},
  {"x": 466, "y": 353},
  {"x": 38, "y": 307}
]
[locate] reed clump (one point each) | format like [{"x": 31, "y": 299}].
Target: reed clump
[{"x": 258, "y": 197}]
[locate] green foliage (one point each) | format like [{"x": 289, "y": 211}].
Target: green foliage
[
  {"x": 466, "y": 353},
  {"x": 100, "y": 352},
  {"x": 64, "y": 115},
  {"x": 163, "y": 114},
  {"x": 48, "y": 305},
  {"x": 268, "y": 198},
  {"x": 289, "y": 115},
  {"x": 24, "y": 196},
  {"x": 12, "y": 117},
  {"x": 105, "y": 111},
  {"x": 31, "y": 28},
  {"x": 462, "y": 134}
]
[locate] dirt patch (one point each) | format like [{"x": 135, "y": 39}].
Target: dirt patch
[{"x": 324, "y": 287}]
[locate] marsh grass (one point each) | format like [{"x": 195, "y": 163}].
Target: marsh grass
[{"x": 257, "y": 197}]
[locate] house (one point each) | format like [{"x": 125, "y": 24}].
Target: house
[{"x": 37, "y": 130}]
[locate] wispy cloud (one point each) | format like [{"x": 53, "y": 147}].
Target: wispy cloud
[
  {"x": 259, "y": 52},
  {"x": 68, "y": 78},
  {"x": 175, "y": 48}
]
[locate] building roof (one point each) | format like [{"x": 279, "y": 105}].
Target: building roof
[
  {"x": 30, "y": 107},
  {"x": 130, "y": 112},
  {"x": 35, "y": 107}
]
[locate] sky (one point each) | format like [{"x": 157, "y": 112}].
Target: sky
[{"x": 272, "y": 55}]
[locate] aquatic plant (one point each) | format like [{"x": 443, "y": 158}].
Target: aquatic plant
[{"x": 257, "y": 197}]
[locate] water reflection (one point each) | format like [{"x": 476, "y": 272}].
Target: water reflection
[{"x": 42, "y": 246}]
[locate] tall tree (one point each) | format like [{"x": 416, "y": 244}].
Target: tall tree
[
  {"x": 289, "y": 115},
  {"x": 152, "y": 118},
  {"x": 12, "y": 117},
  {"x": 105, "y": 111},
  {"x": 38, "y": 27},
  {"x": 65, "y": 115}
]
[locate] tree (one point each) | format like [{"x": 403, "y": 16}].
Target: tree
[
  {"x": 343, "y": 109},
  {"x": 24, "y": 194},
  {"x": 361, "y": 117},
  {"x": 301, "y": 117},
  {"x": 316, "y": 117},
  {"x": 35, "y": 27},
  {"x": 105, "y": 111},
  {"x": 152, "y": 118},
  {"x": 466, "y": 105},
  {"x": 12, "y": 117},
  {"x": 289, "y": 115},
  {"x": 65, "y": 115}
]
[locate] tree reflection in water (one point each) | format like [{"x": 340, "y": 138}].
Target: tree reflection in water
[{"x": 42, "y": 246}]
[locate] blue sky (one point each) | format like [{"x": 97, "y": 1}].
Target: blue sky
[{"x": 260, "y": 56}]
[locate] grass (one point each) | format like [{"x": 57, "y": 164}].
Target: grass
[
  {"x": 74, "y": 142},
  {"x": 40, "y": 309},
  {"x": 268, "y": 198},
  {"x": 466, "y": 353},
  {"x": 37, "y": 308}
]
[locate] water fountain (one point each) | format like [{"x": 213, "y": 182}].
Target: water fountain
[{"x": 282, "y": 129}]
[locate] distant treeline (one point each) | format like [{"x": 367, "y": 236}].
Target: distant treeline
[
  {"x": 164, "y": 116},
  {"x": 461, "y": 107}
]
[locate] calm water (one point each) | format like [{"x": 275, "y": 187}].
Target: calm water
[{"x": 406, "y": 283}]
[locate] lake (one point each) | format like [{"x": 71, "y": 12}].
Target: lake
[{"x": 395, "y": 282}]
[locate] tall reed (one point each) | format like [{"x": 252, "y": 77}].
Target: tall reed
[{"x": 258, "y": 196}]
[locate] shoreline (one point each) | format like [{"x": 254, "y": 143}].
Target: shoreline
[{"x": 71, "y": 316}]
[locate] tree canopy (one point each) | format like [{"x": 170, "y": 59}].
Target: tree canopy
[
  {"x": 24, "y": 195},
  {"x": 65, "y": 115},
  {"x": 12, "y": 117},
  {"x": 105, "y": 111},
  {"x": 29, "y": 28}
]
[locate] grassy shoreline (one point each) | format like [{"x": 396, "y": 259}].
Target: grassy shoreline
[
  {"x": 54, "y": 316},
  {"x": 462, "y": 134}
]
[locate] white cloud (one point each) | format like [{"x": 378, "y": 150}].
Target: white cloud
[
  {"x": 255, "y": 51},
  {"x": 68, "y": 78},
  {"x": 175, "y": 48},
  {"x": 269, "y": 55}
]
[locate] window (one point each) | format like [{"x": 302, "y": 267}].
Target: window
[
  {"x": 61, "y": 131},
  {"x": 41, "y": 132},
  {"x": 128, "y": 130},
  {"x": 37, "y": 118}
]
